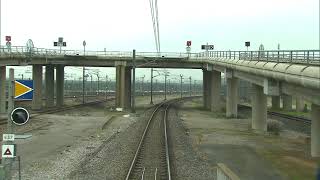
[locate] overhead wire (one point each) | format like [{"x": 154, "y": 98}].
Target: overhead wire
[
  {"x": 155, "y": 32},
  {"x": 157, "y": 19}
]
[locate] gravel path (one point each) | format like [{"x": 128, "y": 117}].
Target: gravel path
[
  {"x": 112, "y": 161},
  {"x": 187, "y": 163}
]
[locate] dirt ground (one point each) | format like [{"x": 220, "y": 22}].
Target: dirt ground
[
  {"x": 249, "y": 155},
  {"x": 63, "y": 141},
  {"x": 60, "y": 141}
]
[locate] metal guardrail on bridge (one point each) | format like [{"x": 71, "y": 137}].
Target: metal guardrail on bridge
[
  {"x": 281, "y": 56},
  {"x": 24, "y": 51}
]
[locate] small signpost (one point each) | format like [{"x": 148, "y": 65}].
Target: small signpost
[
  {"x": 17, "y": 116},
  {"x": 60, "y": 43},
  {"x": 8, "y": 43},
  {"x": 247, "y": 45},
  {"x": 207, "y": 47},
  {"x": 188, "y": 48},
  {"x": 23, "y": 89},
  {"x": 8, "y": 151}
]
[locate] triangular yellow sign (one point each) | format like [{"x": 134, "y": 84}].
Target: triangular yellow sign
[{"x": 20, "y": 89}]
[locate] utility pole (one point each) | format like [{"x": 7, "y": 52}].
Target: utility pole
[
  {"x": 98, "y": 83},
  {"x": 106, "y": 87},
  {"x": 156, "y": 85},
  {"x": 181, "y": 77},
  {"x": 169, "y": 86},
  {"x": 166, "y": 74},
  {"x": 0, "y": 24},
  {"x": 190, "y": 86},
  {"x": 194, "y": 87},
  {"x": 83, "y": 70},
  {"x": 134, "y": 82},
  {"x": 151, "y": 88},
  {"x": 91, "y": 84},
  {"x": 142, "y": 87}
]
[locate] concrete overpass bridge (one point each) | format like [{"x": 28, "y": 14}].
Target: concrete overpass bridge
[{"x": 271, "y": 73}]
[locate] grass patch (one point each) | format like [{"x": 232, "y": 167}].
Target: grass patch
[{"x": 291, "y": 164}]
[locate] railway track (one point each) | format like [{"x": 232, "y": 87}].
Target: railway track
[
  {"x": 286, "y": 116},
  {"x": 151, "y": 159},
  {"x": 55, "y": 110}
]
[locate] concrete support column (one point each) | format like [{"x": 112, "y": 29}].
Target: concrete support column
[
  {"x": 3, "y": 89},
  {"x": 315, "y": 130},
  {"x": 118, "y": 70},
  {"x": 128, "y": 87},
  {"x": 215, "y": 91},
  {"x": 287, "y": 102},
  {"x": 60, "y": 85},
  {"x": 204, "y": 88},
  {"x": 37, "y": 87},
  {"x": 49, "y": 78},
  {"x": 259, "y": 109},
  {"x": 299, "y": 104},
  {"x": 232, "y": 97},
  {"x": 275, "y": 102},
  {"x": 120, "y": 89},
  {"x": 209, "y": 90}
]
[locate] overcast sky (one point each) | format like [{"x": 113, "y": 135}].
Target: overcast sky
[{"x": 123, "y": 25}]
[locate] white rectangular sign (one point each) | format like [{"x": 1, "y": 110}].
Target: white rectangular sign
[
  {"x": 8, "y": 137},
  {"x": 7, "y": 151}
]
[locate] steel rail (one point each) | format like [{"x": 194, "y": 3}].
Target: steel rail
[
  {"x": 166, "y": 141},
  {"x": 282, "y": 115},
  {"x": 142, "y": 139}
]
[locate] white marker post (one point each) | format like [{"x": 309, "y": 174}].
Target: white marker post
[{"x": 8, "y": 149}]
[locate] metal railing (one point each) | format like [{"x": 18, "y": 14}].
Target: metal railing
[{"x": 281, "y": 56}]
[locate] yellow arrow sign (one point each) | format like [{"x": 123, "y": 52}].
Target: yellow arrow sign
[{"x": 21, "y": 89}]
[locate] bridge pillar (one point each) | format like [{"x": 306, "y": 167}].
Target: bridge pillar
[
  {"x": 49, "y": 80},
  {"x": 259, "y": 109},
  {"x": 208, "y": 89},
  {"x": 3, "y": 89},
  {"x": 275, "y": 102},
  {"x": 128, "y": 87},
  {"x": 60, "y": 85},
  {"x": 215, "y": 90},
  {"x": 287, "y": 102},
  {"x": 232, "y": 95},
  {"x": 299, "y": 104},
  {"x": 315, "y": 130},
  {"x": 121, "y": 100},
  {"x": 204, "y": 88},
  {"x": 37, "y": 87}
]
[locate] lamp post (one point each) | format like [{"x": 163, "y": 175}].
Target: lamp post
[{"x": 181, "y": 77}]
